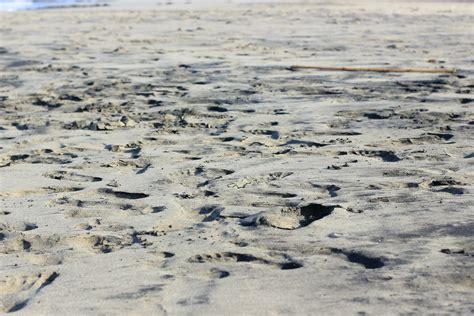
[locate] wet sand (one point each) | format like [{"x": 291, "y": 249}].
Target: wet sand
[{"x": 168, "y": 162}]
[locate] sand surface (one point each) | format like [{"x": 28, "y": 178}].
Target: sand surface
[{"x": 166, "y": 162}]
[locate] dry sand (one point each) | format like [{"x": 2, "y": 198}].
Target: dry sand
[{"x": 166, "y": 161}]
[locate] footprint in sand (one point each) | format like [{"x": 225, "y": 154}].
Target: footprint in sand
[
  {"x": 290, "y": 218},
  {"x": 17, "y": 290},
  {"x": 71, "y": 176},
  {"x": 288, "y": 264}
]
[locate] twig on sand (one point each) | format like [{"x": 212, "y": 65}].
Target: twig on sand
[{"x": 368, "y": 69}]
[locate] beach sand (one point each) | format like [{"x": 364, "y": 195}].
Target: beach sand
[{"x": 168, "y": 162}]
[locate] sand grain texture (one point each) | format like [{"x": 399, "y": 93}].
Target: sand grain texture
[{"x": 168, "y": 162}]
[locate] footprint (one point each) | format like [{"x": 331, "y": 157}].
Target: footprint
[
  {"x": 273, "y": 134},
  {"x": 134, "y": 149},
  {"x": 303, "y": 143},
  {"x": 385, "y": 155},
  {"x": 49, "y": 104},
  {"x": 379, "y": 114},
  {"x": 35, "y": 191},
  {"x": 216, "y": 273},
  {"x": 290, "y": 217},
  {"x": 446, "y": 185},
  {"x": 17, "y": 291},
  {"x": 44, "y": 156},
  {"x": 240, "y": 257},
  {"x": 216, "y": 109},
  {"x": 242, "y": 183},
  {"x": 426, "y": 138},
  {"x": 147, "y": 291},
  {"x": 104, "y": 209},
  {"x": 212, "y": 212},
  {"x": 51, "y": 190},
  {"x": 199, "y": 176},
  {"x": 453, "y": 190},
  {"x": 442, "y": 182},
  {"x": 457, "y": 251},
  {"x": 71, "y": 176},
  {"x": 14, "y": 242},
  {"x": 104, "y": 243},
  {"x": 331, "y": 189},
  {"x": 124, "y": 195},
  {"x": 18, "y": 227},
  {"x": 368, "y": 262},
  {"x": 283, "y": 195}
]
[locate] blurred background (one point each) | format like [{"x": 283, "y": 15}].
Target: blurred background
[{"x": 15, "y": 5}]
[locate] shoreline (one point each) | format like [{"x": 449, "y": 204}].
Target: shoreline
[{"x": 406, "y": 5}]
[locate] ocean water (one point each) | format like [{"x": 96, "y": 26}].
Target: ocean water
[{"x": 15, "y": 5}]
